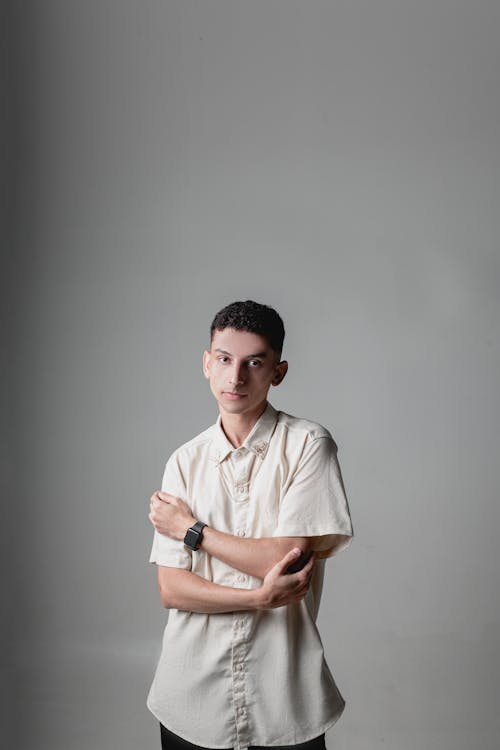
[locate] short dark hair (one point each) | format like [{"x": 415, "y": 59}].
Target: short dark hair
[{"x": 253, "y": 317}]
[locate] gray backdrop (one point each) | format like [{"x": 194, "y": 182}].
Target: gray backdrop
[{"x": 340, "y": 161}]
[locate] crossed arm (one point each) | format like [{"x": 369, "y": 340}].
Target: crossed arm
[{"x": 266, "y": 558}]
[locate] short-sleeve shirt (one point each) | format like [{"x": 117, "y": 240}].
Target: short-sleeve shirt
[{"x": 256, "y": 677}]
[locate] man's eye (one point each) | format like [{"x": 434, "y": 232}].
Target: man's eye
[
  {"x": 255, "y": 362},
  {"x": 223, "y": 359}
]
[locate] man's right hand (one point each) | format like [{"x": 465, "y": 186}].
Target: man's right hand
[{"x": 280, "y": 588}]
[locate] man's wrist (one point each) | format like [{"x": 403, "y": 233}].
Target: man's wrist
[
  {"x": 258, "y": 598},
  {"x": 203, "y": 538}
]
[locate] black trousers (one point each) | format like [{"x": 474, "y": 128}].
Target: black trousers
[{"x": 171, "y": 741}]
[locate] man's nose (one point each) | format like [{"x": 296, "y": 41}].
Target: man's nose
[{"x": 237, "y": 374}]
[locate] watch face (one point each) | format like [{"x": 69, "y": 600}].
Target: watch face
[{"x": 191, "y": 539}]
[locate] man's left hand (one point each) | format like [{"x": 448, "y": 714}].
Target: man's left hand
[{"x": 170, "y": 515}]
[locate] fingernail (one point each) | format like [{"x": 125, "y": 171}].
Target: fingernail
[{"x": 296, "y": 551}]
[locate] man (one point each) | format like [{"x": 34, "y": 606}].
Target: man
[{"x": 241, "y": 508}]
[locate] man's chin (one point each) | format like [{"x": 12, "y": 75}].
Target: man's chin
[
  {"x": 241, "y": 405},
  {"x": 234, "y": 406}
]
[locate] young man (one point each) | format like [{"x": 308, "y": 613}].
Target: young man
[{"x": 242, "y": 506}]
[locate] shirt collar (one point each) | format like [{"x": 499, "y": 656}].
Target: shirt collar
[{"x": 256, "y": 441}]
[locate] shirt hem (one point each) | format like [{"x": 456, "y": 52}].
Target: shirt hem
[
  {"x": 284, "y": 741},
  {"x": 277, "y": 743},
  {"x": 171, "y": 563},
  {"x": 310, "y": 531}
]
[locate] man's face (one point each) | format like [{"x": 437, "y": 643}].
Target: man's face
[{"x": 241, "y": 366}]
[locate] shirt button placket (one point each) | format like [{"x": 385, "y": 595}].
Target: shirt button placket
[
  {"x": 240, "y": 619},
  {"x": 238, "y": 673}
]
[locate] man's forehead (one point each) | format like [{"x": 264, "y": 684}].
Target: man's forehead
[{"x": 240, "y": 343}]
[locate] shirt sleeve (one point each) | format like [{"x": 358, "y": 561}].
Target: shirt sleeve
[
  {"x": 315, "y": 503},
  {"x": 166, "y": 551}
]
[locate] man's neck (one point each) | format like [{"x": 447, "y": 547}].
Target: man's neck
[{"x": 238, "y": 426}]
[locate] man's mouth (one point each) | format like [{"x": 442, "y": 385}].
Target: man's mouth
[{"x": 233, "y": 394}]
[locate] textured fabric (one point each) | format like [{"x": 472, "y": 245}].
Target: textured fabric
[{"x": 250, "y": 678}]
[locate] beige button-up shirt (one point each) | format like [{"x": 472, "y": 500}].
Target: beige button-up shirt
[{"x": 252, "y": 677}]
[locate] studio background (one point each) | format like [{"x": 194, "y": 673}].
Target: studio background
[{"x": 339, "y": 161}]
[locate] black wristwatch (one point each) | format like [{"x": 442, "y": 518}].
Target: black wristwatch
[{"x": 194, "y": 535}]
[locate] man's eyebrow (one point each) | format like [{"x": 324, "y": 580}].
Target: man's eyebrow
[{"x": 260, "y": 355}]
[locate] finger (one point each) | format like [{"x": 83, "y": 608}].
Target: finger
[
  {"x": 166, "y": 498},
  {"x": 302, "y": 582},
  {"x": 156, "y": 506},
  {"x": 155, "y": 498},
  {"x": 289, "y": 558}
]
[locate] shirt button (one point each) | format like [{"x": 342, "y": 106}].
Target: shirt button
[
  {"x": 242, "y": 578},
  {"x": 241, "y": 532}
]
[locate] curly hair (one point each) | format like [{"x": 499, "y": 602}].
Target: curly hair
[{"x": 253, "y": 317}]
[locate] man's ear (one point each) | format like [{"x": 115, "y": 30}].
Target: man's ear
[
  {"x": 280, "y": 372},
  {"x": 206, "y": 363}
]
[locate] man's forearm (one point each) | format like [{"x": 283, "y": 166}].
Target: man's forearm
[
  {"x": 254, "y": 556},
  {"x": 182, "y": 589}
]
